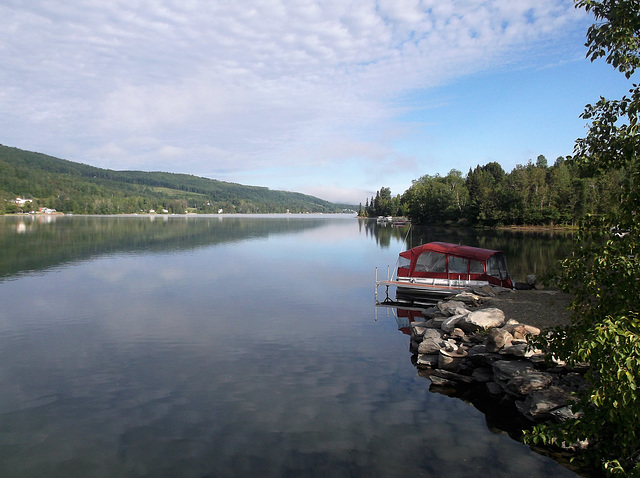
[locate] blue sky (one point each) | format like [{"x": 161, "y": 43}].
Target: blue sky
[{"x": 330, "y": 98}]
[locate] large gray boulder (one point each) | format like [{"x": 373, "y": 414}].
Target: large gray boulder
[
  {"x": 453, "y": 307},
  {"x": 482, "y": 319},
  {"x": 432, "y": 333},
  {"x": 431, "y": 345},
  {"x": 542, "y": 404},
  {"x": 528, "y": 383},
  {"x": 505, "y": 370},
  {"x": 451, "y": 323}
]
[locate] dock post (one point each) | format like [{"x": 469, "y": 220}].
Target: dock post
[{"x": 376, "y": 287}]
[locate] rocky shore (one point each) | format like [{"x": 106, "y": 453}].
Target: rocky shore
[{"x": 473, "y": 348}]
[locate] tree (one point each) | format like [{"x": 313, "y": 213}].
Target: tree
[
  {"x": 541, "y": 162},
  {"x": 436, "y": 199},
  {"x": 603, "y": 273},
  {"x": 485, "y": 185}
]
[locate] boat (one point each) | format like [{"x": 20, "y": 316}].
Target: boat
[{"x": 439, "y": 270}]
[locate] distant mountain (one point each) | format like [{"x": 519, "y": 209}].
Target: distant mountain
[{"x": 78, "y": 188}]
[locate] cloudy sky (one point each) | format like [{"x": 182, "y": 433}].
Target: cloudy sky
[{"x": 334, "y": 98}]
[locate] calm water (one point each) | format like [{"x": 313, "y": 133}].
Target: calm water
[{"x": 227, "y": 346}]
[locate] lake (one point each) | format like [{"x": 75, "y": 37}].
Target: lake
[{"x": 215, "y": 346}]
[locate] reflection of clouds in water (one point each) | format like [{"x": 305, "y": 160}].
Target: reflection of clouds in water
[
  {"x": 139, "y": 273},
  {"x": 145, "y": 365},
  {"x": 283, "y": 410}
]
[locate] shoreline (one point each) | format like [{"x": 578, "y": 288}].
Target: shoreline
[{"x": 544, "y": 308}]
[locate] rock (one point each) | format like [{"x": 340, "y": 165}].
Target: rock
[
  {"x": 450, "y": 345},
  {"x": 528, "y": 383},
  {"x": 494, "y": 389},
  {"x": 430, "y": 345},
  {"x": 479, "y": 355},
  {"x": 484, "y": 291},
  {"x": 432, "y": 333},
  {"x": 451, "y": 323},
  {"x": 574, "y": 382},
  {"x": 482, "y": 374},
  {"x": 418, "y": 329},
  {"x": 505, "y": 370},
  {"x": 482, "y": 319},
  {"x": 521, "y": 331},
  {"x": 520, "y": 350},
  {"x": 456, "y": 347},
  {"x": 450, "y": 360},
  {"x": 468, "y": 298},
  {"x": 435, "y": 322},
  {"x": 522, "y": 286},
  {"x": 498, "y": 339},
  {"x": 539, "y": 405},
  {"x": 427, "y": 360},
  {"x": 452, "y": 307},
  {"x": 430, "y": 312},
  {"x": 457, "y": 334},
  {"x": 455, "y": 377},
  {"x": 563, "y": 413},
  {"x": 442, "y": 382}
]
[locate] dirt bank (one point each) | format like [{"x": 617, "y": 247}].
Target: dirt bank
[{"x": 540, "y": 308}]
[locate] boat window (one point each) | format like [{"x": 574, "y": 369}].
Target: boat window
[
  {"x": 502, "y": 264},
  {"x": 458, "y": 265},
  {"x": 492, "y": 266},
  {"x": 431, "y": 262},
  {"x": 498, "y": 267},
  {"x": 403, "y": 262},
  {"x": 476, "y": 268}
]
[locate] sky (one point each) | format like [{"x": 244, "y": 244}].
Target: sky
[{"x": 332, "y": 98}]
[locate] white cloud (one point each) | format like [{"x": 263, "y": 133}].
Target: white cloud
[{"x": 195, "y": 86}]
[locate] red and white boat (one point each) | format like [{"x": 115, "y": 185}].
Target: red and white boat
[{"x": 439, "y": 270}]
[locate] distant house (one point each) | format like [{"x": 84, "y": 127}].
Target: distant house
[
  {"x": 46, "y": 210},
  {"x": 22, "y": 202}
]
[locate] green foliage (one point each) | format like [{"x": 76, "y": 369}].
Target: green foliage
[
  {"x": 603, "y": 273},
  {"x": 78, "y": 188},
  {"x": 383, "y": 204},
  {"x": 617, "y": 37},
  {"x": 531, "y": 194},
  {"x": 436, "y": 199}
]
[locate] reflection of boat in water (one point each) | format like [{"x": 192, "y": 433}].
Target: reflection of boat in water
[
  {"x": 405, "y": 317},
  {"x": 393, "y": 221},
  {"x": 439, "y": 270}
]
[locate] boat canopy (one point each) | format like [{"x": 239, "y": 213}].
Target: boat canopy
[{"x": 453, "y": 261}]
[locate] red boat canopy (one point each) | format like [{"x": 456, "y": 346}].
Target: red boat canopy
[
  {"x": 442, "y": 260},
  {"x": 468, "y": 252}
]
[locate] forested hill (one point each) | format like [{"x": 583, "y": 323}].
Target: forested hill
[
  {"x": 78, "y": 188},
  {"x": 488, "y": 196}
]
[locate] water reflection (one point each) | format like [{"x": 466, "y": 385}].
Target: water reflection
[
  {"x": 38, "y": 242},
  {"x": 528, "y": 252},
  {"x": 223, "y": 348}
]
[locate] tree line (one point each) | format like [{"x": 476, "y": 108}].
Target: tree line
[{"x": 487, "y": 196}]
